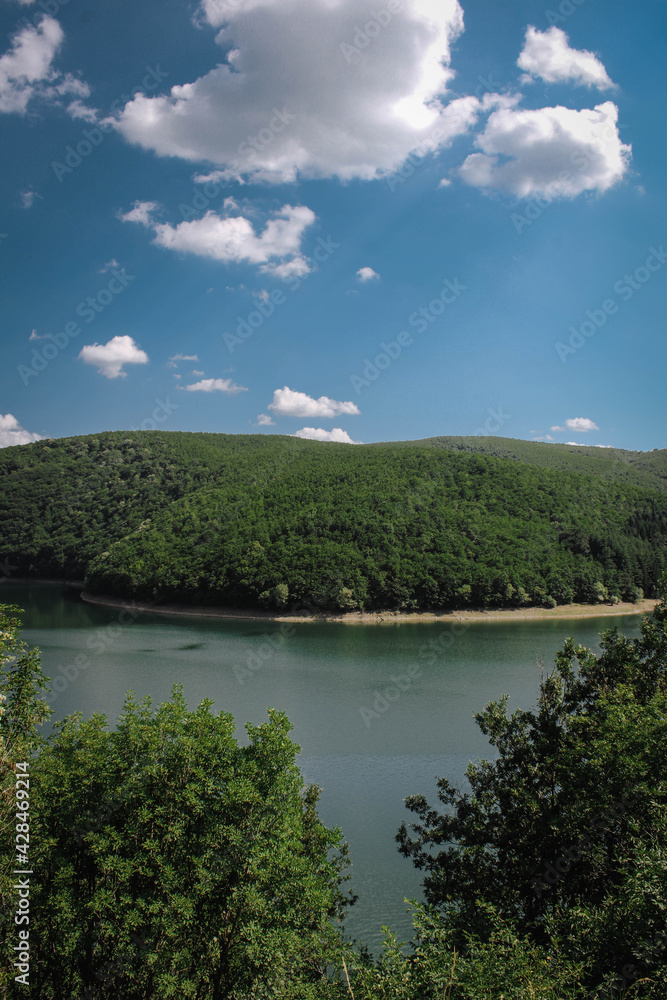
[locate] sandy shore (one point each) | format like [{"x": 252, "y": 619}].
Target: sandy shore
[{"x": 565, "y": 611}]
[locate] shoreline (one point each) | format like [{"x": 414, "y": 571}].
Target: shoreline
[{"x": 562, "y": 612}]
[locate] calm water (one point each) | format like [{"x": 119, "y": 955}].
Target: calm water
[{"x": 326, "y": 677}]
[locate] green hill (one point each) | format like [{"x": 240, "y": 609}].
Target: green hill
[
  {"x": 252, "y": 520},
  {"x": 637, "y": 468}
]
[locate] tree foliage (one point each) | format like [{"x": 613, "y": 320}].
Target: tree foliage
[
  {"x": 174, "y": 862},
  {"x": 563, "y": 837},
  {"x": 171, "y": 860},
  {"x": 261, "y": 520}
]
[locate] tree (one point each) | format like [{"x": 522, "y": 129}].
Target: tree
[
  {"x": 173, "y": 862},
  {"x": 21, "y": 685},
  {"x": 22, "y": 710},
  {"x": 563, "y": 836}
]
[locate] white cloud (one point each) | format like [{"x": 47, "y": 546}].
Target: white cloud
[
  {"x": 109, "y": 266},
  {"x": 233, "y": 239},
  {"x": 12, "y": 433},
  {"x": 580, "y": 444},
  {"x": 291, "y": 96},
  {"x": 215, "y": 385},
  {"x": 554, "y": 152},
  {"x": 110, "y": 358},
  {"x": 367, "y": 274},
  {"x": 319, "y": 434},
  {"x": 195, "y": 371},
  {"x": 69, "y": 84},
  {"x": 173, "y": 361},
  {"x": 27, "y": 64},
  {"x": 264, "y": 420},
  {"x": 547, "y": 56},
  {"x": 289, "y": 403},
  {"x": 26, "y": 70},
  {"x": 580, "y": 424},
  {"x": 35, "y": 336},
  {"x": 140, "y": 212},
  {"x": 28, "y": 197},
  {"x": 79, "y": 110}
]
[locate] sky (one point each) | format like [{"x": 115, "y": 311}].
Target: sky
[{"x": 337, "y": 219}]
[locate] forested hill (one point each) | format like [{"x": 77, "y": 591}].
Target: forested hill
[
  {"x": 250, "y": 520},
  {"x": 636, "y": 468}
]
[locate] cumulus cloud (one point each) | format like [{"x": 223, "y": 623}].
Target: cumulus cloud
[
  {"x": 557, "y": 152},
  {"x": 110, "y": 358},
  {"x": 319, "y": 434},
  {"x": 27, "y": 65},
  {"x": 12, "y": 433},
  {"x": 547, "y": 56},
  {"x": 27, "y": 72},
  {"x": 305, "y": 89},
  {"x": 215, "y": 385},
  {"x": 289, "y": 403},
  {"x": 580, "y": 424},
  {"x": 141, "y": 212},
  {"x": 232, "y": 239},
  {"x": 264, "y": 420},
  {"x": 367, "y": 274}
]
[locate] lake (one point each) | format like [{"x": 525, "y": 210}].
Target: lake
[{"x": 379, "y": 711}]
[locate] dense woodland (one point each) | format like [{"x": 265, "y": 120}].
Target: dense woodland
[
  {"x": 167, "y": 860},
  {"x": 279, "y": 522}
]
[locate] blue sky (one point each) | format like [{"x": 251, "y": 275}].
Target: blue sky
[{"x": 333, "y": 218}]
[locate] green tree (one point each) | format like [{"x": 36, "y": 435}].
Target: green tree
[
  {"x": 563, "y": 836},
  {"x": 22, "y": 711},
  {"x": 175, "y": 863}
]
